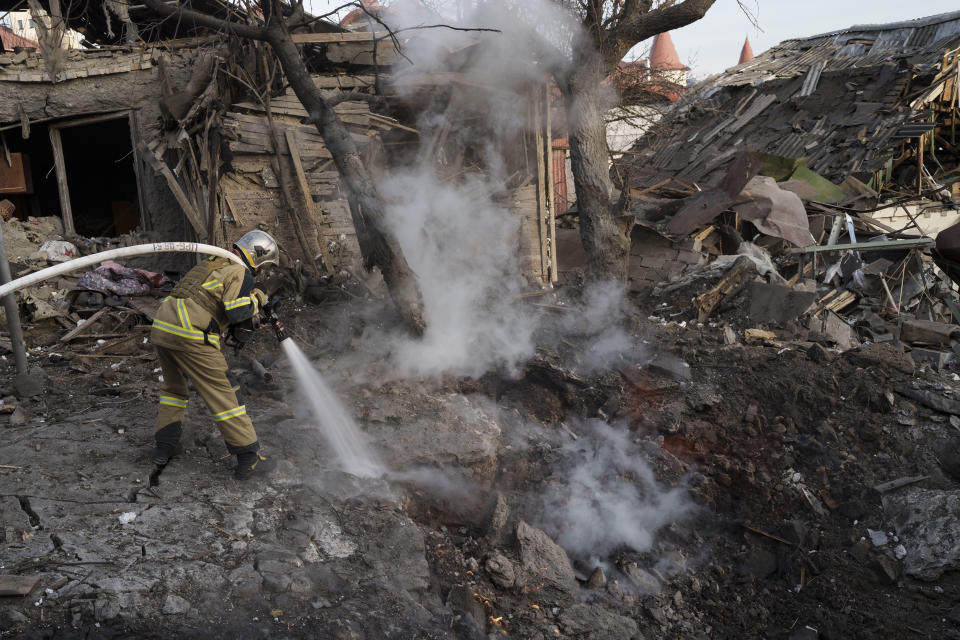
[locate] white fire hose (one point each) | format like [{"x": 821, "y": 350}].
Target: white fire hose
[{"x": 122, "y": 252}]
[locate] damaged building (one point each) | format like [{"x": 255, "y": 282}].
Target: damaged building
[
  {"x": 802, "y": 155},
  {"x": 193, "y": 136}
]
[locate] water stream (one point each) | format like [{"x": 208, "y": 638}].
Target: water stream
[{"x": 336, "y": 424}]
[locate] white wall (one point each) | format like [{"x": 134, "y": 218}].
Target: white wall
[{"x": 21, "y": 23}]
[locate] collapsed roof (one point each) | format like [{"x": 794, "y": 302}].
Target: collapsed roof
[{"x": 840, "y": 99}]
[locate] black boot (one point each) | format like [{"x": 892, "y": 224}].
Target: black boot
[
  {"x": 250, "y": 464},
  {"x": 163, "y": 452},
  {"x": 167, "y": 443}
]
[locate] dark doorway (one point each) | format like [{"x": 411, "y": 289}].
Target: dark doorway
[
  {"x": 33, "y": 190},
  {"x": 98, "y": 158}
]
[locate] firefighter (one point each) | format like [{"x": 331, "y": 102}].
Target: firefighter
[{"x": 213, "y": 296}]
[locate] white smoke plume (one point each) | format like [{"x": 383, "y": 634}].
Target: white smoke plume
[
  {"x": 599, "y": 323},
  {"x": 463, "y": 249},
  {"x": 459, "y": 233},
  {"x": 607, "y": 496}
]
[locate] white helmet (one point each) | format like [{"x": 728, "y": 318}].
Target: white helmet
[{"x": 258, "y": 248}]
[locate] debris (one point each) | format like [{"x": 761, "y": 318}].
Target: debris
[
  {"x": 544, "y": 562},
  {"x": 887, "y": 570},
  {"x": 644, "y": 581},
  {"x": 774, "y": 211},
  {"x": 670, "y": 366},
  {"x": 593, "y": 622},
  {"x": 925, "y": 332},
  {"x": 818, "y": 353},
  {"x": 883, "y": 356},
  {"x": 775, "y": 303},
  {"x": 729, "y": 335},
  {"x": 893, "y": 485},
  {"x": 925, "y": 521},
  {"x": 741, "y": 272},
  {"x": 127, "y": 517},
  {"x": 17, "y": 585},
  {"x": 501, "y": 570},
  {"x": 175, "y": 605},
  {"x": 877, "y": 538},
  {"x": 936, "y": 360},
  {"x": 932, "y": 400},
  {"x": 18, "y": 417},
  {"x": 30, "y": 384},
  {"x": 758, "y": 335},
  {"x": 85, "y": 325},
  {"x": 597, "y": 579}
]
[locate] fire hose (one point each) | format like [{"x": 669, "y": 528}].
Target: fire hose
[{"x": 122, "y": 252}]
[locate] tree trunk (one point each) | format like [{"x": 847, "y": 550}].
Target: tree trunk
[
  {"x": 377, "y": 245},
  {"x": 606, "y": 240}
]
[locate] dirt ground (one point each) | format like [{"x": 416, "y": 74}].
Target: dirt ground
[{"x": 777, "y": 453}]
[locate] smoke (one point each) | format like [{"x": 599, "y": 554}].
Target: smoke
[
  {"x": 463, "y": 248},
  {"x": 454, "y": 209},
  {"x": 606, "y": 496},
  {"x": 599, "y": 322}
]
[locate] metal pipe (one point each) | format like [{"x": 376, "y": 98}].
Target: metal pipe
[
  {"x": 122, "y": 252},
  {"x": 11, "y": 311}
]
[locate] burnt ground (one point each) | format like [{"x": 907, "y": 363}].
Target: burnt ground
[{"x": 780, "y": 448}]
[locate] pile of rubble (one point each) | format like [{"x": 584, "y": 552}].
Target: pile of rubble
[{"x": 831, "y": 275}]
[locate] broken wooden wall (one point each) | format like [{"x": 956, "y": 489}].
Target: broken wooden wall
[{"x": 267, "y": 180}]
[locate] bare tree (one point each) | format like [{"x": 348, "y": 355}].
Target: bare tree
[
  {"x": 377, "y": 244},
  {"x": 609, "y": 29},
  {"x": 582, "y": 54}
]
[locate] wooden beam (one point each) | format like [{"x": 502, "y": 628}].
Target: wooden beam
[
  {"x": 133, "y": 122},
  {"x": 311, "y": 206},
  {"x": 66, "y": 213},
  {"x": 350, "y": 36},
  {"x": 551, "y": 196},
  {"x": 196, "y": 220},
  {"x": 86, "y": 326},
  {"x": 542, "y": 209},
  {"x": 18, "y": 585}
]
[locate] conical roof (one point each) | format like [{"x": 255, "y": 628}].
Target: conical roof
[
  {"x": 663, "y": 55},
  {"x": 747, "y": 52}
]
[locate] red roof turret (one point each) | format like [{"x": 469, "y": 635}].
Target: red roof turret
[
  {"x": 747, "y": 52},
  {"x": 663, "y": 55}
]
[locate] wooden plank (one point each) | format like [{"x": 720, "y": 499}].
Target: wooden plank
[
  {"x": 86, "y": 326},
  {"x": 61, "y": 170},
  {"x": 344, "y": 82},
  {"x": 542, "y": 209},
  {"x": 263, "y": 147},
  {"x": 308, "y": 198},
  {"x": 382, "y": 53},
  {"x": 551, "y": 201},
  {"x": 196, "y": 220},
  {"x": 350, "y": 36},
  {"x": 18, "y": 585},
  {"x": 390, "y": 122}
]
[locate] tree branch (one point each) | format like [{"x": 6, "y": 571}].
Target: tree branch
[
  {"x": 639, "y": 25},
  {"x": 203, "y": 20}
]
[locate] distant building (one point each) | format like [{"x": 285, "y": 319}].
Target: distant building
[
  {"x": 10, "y": 40},
  {"x": 22, "y": 24},
  {"x": 665, "y": 61},
  {"x": 746, "y": 54},
  {"x": 647, "y": 89}
]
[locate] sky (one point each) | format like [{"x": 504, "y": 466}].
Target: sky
[{"x": 713, "y": 43}]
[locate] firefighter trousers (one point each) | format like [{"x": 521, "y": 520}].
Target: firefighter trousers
[{"x": 207, "y": 371}]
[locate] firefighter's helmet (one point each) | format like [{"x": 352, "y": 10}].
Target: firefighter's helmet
[{"x": 258, "y": 248}]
